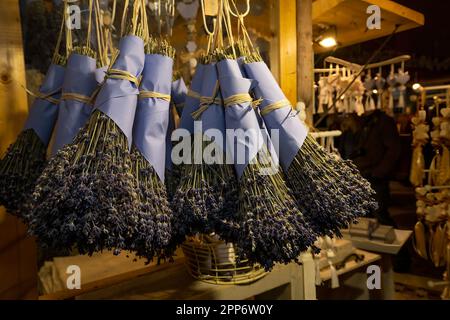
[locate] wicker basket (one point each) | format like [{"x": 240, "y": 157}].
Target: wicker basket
[{"x": 213, "y": 261}]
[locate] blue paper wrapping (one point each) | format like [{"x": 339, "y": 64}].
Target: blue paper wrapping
[
  {"x": 267, "y": 139},
  {"x": 100, "y": 74},
  {"x": 73, "y": 114},
  {"x": 241, "y": 61},
  {"x": 191, "y": 104},
  {"x": 152, "y": 114},
  {"x": 179, "y": 91},
  {"x": 292, "y": 132},
  {"x": 214, "y": 116},
  {"x": 239, "y": 116},
  {"x": 178, "y": 96},
  {"x": 170, "y": 128},
  {"x": 118, "y": 98},
  {"x": 43, "y": 114}
]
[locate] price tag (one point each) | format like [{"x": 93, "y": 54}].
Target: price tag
[{"x": 211, "y": 7}]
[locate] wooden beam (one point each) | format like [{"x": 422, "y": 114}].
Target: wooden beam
[
  {"x": 350, "y": 16},
  {"x": 287, "y": 48},
  {"x": 399, "y": 9},
  {"x": 305, "y": 57},
  {"x": 18, "y": 260},
  {"x": 323, "y": 6}
]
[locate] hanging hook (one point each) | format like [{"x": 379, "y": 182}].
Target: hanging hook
[
  {"x": 239, "y": 15},
  {"x": 205, "y": 25}
]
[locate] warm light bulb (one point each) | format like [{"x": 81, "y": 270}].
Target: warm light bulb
[
  {"x": 416, "y": 86},
  {"x": 375, "y": 91},
  {"x": 328, "y": 42}
]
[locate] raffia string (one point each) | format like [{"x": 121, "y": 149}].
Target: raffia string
[
  {"x": 193, "y": 94},
  {"x": 77, "y": 97},
  {"x": 41, "y": 95},
  {"x": 241, "y": 98},
  {"x": 274, "y": 106},
  {"x": 47, "y": 97},
  {"x": 205, "y": 102},
  {"x": 237, "y": 99},
  {"x": 120, "y": 74},
  {"x": 123, "y": 75},
  {"x": 153, "y": 94}
]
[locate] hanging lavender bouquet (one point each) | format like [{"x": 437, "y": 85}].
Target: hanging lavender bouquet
[
  {"x": 147, "y": 153},
  {"x": 208, "y": 186},
  {"x": 191, "y": 104},
  {"x": 25, "y": 159},
  {"x": 271, "y": 228},
  {"x": 178, "y": 98},
  {"x": 86, "y": 197},
  {"x": 330, "y": 191},
  {"x": 76, "y": 99}
]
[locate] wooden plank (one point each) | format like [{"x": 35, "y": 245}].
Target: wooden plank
[
  {"x": 114, "y": 280},
  {"x": 13, "y": 99},
  {"x": 321, "y": 7},
  {"x": 305, "y": 57},
  {"x": 18, "y": 255},
  {"x": 176, "y": 283},
  {"x": 349, "y": 17},
  {"x": 287, "y": 47},
  {"x": 399, "y": 9}
]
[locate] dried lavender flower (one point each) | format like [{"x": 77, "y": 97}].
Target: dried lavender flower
[{"x": 19, "y": 169}]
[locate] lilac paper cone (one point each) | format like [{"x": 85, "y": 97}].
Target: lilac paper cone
[
  {"x": 100, "y": 74},
  {"x": 179, "y": 91},
  {"x": 292, "y": 132},
  {"x": 178, "y": 96},
  {"x": 118, "y": 98},
  {"x": 170, "y": 128},
  {"x": 213, "y": 117},
  {"x": 267, "y": 139},
  {"x": 73, "y": 114},
  {"x": 152, "y": 114},
  {"x": 239, "y": 116},
  {"x": 43, "y": 113},
  {"x": 191, "y": 104}
]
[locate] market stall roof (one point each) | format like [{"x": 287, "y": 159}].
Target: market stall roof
[{"x": 350, "y": 17}]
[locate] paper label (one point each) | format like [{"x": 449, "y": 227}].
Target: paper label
[{"x": 211, "y": 7}]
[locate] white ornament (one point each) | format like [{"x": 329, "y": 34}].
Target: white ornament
[
  {"x": 188, "y": 10},
  {"x": 191, "y": 46}
]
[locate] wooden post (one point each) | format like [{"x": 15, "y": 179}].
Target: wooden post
[
  {"x": 18, "y": 273},
  {"x": 285, "y": 27},
  {"x": 305, "y": 57}
]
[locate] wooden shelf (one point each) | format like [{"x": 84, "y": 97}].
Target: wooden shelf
[
  {"x": 105, "y": 276},
  {"x": 349, "y": 17},
  {"x": 172, "y": 281}
]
